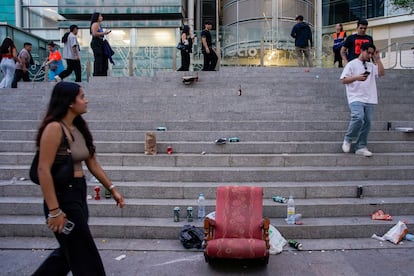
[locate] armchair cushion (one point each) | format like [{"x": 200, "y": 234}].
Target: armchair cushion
[{"x": 236, "y": 248}]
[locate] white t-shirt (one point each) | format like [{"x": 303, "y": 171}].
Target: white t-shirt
[
  {"x": 361, "y": 91},
  {"x": 67, "y": 50}
]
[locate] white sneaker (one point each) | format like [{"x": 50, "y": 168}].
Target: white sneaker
[
  {"x": 364, "y": 151},
  {"x": 58, "y": 79},
  {"x": 346, "y": 146}
]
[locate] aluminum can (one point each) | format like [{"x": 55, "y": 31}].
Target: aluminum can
[
  {"x": 360, "y": 190},
  {"x": 176, "y": 214},
  {"x": 234, "y": 139},
  {"x": 190, "y": 214},
  {"x": 107, "y": 193},
  {"x": 169, "y": 150},
  {"x": 161, "y": 128},
  {"x": 295, "y": 244},
  {"x": 279, "y": 199}
]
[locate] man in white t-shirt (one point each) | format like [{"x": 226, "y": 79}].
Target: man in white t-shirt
[
  {"x": 359, "y": 77},
  {"x": 71, "y": 54}
]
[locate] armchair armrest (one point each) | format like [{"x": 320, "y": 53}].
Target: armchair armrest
[
  {"x": 265, "y": 226},
  {"x": 209, "y": 225}
]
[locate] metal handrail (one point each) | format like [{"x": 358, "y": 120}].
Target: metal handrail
[{"x": 401, "y": 56}]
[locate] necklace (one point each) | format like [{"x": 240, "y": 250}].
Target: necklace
[{"x": 70, "y": 128}]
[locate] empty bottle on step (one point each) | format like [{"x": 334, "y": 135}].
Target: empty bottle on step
[
  {"x": 201, "y": 207},
  {"x": 290, "y": 219},
  {"x": 409, "y": 237}
]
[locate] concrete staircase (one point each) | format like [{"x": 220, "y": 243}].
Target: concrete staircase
[{"x": 290, "y": 124}]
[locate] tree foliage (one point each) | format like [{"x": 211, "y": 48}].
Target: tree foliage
[{"x": 406, "y": 4}]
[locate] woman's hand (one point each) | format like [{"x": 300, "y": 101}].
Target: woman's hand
[
  {"x": 56, "y": 224},
  {"x": 118, "y": 198}
]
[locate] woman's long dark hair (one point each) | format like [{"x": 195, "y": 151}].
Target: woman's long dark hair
[
  {"x": 63, "y": 95},
  {"x": 7, "y": 43},
  {"x": 94, "y": 18}
]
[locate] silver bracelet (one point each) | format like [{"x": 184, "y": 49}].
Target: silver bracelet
[
  {"x": 56, "y": 215},
  {"x": 111, "y": 187}
]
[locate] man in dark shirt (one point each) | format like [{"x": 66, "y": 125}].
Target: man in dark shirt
[
  {"x": 352, "y": 46},
  {"x": 23, "y": 65},
  {"x": 302, "y": 34},
  {"x": 210, "y": 56}
]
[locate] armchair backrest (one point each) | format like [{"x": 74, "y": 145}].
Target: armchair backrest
[{"x": 239, "y": 212}]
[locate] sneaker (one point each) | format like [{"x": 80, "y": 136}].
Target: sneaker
[
  {"x": 221, "y": 141},
  {"x": 364, "y": 151},
  {"x": 346, "y": 146},
  {"x": 58, "y": 79}
]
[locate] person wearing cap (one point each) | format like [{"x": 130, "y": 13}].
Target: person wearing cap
[
  {"x": 210, "y": 56},
  {"x": 302, "y": 34},
  {"x": 71, "y": 54},
  {"x": 54, "y": 61},
  {"x": 187, "y": 42},
  {"x": 352, "y": 45}
]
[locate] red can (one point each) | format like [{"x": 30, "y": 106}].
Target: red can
[{"x": 169, "y": 150}]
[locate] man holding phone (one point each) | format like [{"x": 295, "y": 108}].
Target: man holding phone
[{"x": 359, "y": 77}]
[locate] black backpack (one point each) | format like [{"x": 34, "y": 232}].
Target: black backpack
[{"x": 191, "y": 237}]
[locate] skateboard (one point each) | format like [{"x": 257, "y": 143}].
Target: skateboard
[{"x": 190, "y": 79}]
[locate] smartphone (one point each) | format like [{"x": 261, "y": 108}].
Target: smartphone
[
  {"x": 366, "y": 73},
  {"x": 68, "y": 227}
]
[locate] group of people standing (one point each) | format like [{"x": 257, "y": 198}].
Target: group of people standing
[
  {"x": 209, "y": 53},
  {"x": 15, "y": 65}
]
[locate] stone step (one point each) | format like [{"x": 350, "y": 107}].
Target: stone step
[
  {"x": 190, "y": 190},
  {"x": 165, "y": 228},
  {"x": 240, "y": 174},
  {"x": 209, "y": 125},
  {"x": 258, "y": 147},
  {"x": 188, "y": 135},
  {"x": 174, "y": 245},
  {"x": 210, "y": 135},
  {"x": 232, "y": 160},
  {"x": 163, "y": 208}
]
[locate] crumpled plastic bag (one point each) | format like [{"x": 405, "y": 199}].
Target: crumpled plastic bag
[
  {"x": 396, "y": 233},
  {"x": 276, "y": 240}
]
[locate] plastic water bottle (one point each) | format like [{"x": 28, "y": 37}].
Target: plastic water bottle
[
  {"x": 409, "y": 237},
  {"x": 290, "y": 219},
  {"x": 201, "y": 208}
]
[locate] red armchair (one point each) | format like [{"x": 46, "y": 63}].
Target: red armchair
[{"x": 239, "y": 230}]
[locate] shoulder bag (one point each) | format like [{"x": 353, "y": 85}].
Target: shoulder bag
[{"x": 62, "y": 168}]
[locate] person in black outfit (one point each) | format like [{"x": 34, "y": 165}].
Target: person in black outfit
[
  {"x": 352, "y": 46},
  {"x": 210, "y": 56},
  {"x": 302, "y": 34},
  {"x": 187, "y": 43},
  {"x": 100, "y": 65},
  {"x": 67, "y": 200}
]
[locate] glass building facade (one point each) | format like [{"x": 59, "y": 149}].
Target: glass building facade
[
  {"x": 250, "y": 32},
  {"x": 339, "y": 11},
  {"x": 258, "y": 32}
]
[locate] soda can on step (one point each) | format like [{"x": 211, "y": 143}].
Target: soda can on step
[
  {"x": 295, "y": 244},
  {"x": 279, "y": 199},
  {"x": 189, "y": 214},
  {"x": 176, "y": 214},
  {"x": 360, "y": 190}
]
